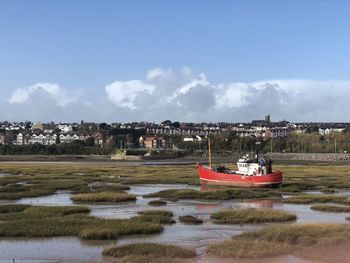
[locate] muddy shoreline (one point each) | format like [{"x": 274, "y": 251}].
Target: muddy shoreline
[{"x": 279, "y": 158}]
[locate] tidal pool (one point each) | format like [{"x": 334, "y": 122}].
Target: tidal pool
[
  {"x": 59, "y": 249},
  {"x": 196, "y": 237},
  {"x": 60, "y": 198}
]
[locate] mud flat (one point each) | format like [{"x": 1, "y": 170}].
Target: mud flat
[{"x": 52, "y": 185}]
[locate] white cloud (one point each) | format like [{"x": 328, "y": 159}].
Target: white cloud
[
  {"x": 183, "y": 95},
  {"x": 188, "y": 96},
  {"x": 158, "y": 72},
  {"x": 124, "y": 93},
  {"x": 61, "y": 96}
]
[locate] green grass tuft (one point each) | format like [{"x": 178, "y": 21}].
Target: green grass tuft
[
  {"x": 156, "y": 216},
  {"x": 99, "y": 233},
  {"x": 251, "y": 215},
  {"x": 156, "y": 213},
  {"x": 103, "y": 197},
  {"x": 331, "y": 208},
  {"x": 40, "y": 221},
  {"x": 279, "y": 240},
  {"x": 190, "y": 220},
  {"x": 12, "y": 208},
  {"x": 213, "y": 194},
  {"x": 309, "y": 199},
  {"x": 157, "y": 203},
  {"x": 149, "y": 249}
]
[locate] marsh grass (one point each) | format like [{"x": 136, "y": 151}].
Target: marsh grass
[
  {"x": 155, "y": 219},
  {"x": 212, "y": 194},
  {"x": 12, "y": 208},
  {"x": 308, "y": 199},
  {"x": 156, "y": 213},
  {"x": 149, "y": 249},
  {"x": 69, "y": 221},
  {"x": 150, "y": 259},
  {"x": 109, "y": 188},
  {"x": 297, "y": 187},
  {"x": 103, "y": 197},
  {"x": 157, "y": 203},
  {"x": 251, "y": 215},
  {"x": 156, "y": 216},
  {"x": 47, "y": 178},
  {"x": 182, "y": 174},
  {"x": 192, "y": 220},
  {"x": 38, "y": 212},
  {"x": 316, "y": 176},
  {"x": 331, "y": 208},
  {"x": 99, "y": 233},
  {"x": 279, "y": 240},
  {"x": 25, "y": 191}
]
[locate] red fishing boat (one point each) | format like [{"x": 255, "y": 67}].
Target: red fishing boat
[{"x": 250, "y": 173}]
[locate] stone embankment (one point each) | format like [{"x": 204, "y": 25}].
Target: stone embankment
[
  {"x": 331, "y": 157},
  {"x": 227, "y": 157},
  {"x": 316, "y": 157}
]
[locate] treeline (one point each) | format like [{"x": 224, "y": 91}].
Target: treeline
[{"x": 293, "y": 143}]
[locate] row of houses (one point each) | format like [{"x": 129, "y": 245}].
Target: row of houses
[
  {"x": 48, "y": 138},
  {"x": 328, "y": 131},
  {"x": 152, "y": 142},
  {"x": 264, "y": 132},
  {"x": 183, "y": 131}
]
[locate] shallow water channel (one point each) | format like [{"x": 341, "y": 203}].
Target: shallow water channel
[{"x": 197, "y": 237}]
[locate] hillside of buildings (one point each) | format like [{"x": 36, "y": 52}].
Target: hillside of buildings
[{"x": 141, "y": 137}]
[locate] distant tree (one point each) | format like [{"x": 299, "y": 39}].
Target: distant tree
[
  {"x": 28, "y": 125},
  {"x": 167, "y": 123},
  {"x": 312, "y": 129},
  {"x": 176, "y": 124},
  {"x": 58, "y": 139},
  {"x": 102, "y": 126},
  {"x": 51, "y": 149},
  {"x": 90, "y": 141}
]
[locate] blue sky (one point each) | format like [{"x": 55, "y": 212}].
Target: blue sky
[{"x": 231, "y": 48}]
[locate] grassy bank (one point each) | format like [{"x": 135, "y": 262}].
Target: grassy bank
[
  {"x": 103, "y": 197},
  {"x": 308, "y": 199},
  {"x": 296, "y": 178},
  {"x": 156, "y": 216},
  {"x": 109, "y": 188},
  {"x": 156, "y": 213},
  {"x": 150, "y": 250},
  {"x": 192, "y": 220},
  {"x": 251, "y": 215},
  {"x": 12, "y": 208},
  {"x": 40, "y": 221},
  {"x": 17, "y": 192},
  {"x": 279, "y": 240},
  {"x": 213, "y": 194},
  {"x": 315, "y": 177},
  {"x": 157, "y": 203},
  {"x": 124, "y": 174},
  {"x": 331, "y": 208},
  {"x": 47, "y": 178}
]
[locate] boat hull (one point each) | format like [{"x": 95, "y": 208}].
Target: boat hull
[{"x": 209, "y": 177}]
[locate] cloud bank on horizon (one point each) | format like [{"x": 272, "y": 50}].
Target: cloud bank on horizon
[{"x": 182, "y": 95}]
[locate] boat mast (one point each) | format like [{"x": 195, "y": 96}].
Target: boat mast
[
  {"x": 257, "y": 151},
  {"x": 209, "y": 153}
]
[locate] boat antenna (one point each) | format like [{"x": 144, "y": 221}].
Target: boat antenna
[{"x": 209, "y": 153}]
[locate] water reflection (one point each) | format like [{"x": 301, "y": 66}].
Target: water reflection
[
  {"x": 51, "y": 250},
  {"x": 60, "y": 198}
]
